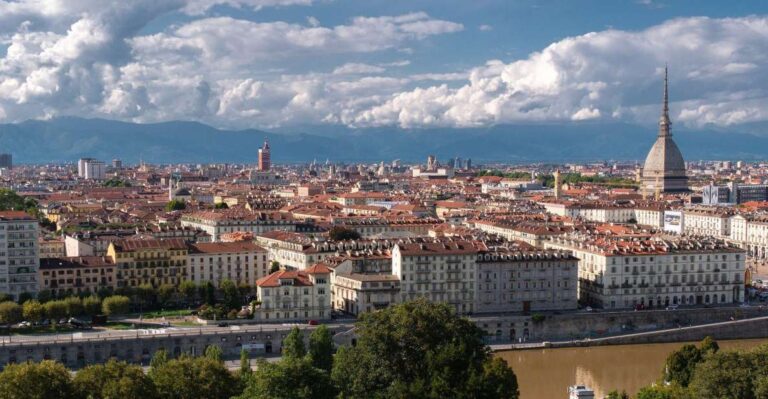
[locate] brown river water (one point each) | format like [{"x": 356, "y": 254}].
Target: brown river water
[{"x": 547, "y": 373}]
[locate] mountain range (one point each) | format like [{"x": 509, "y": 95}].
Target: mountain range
[{"x": 66, "y": 139}]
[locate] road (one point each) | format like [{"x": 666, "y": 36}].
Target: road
[{"x": 107, "y": 334}]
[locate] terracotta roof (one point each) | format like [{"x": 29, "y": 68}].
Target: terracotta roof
[
  {"x": 300, "y": 279},
  {"x": 225, "y": 247},
  {"x": 134, "y": 245}
]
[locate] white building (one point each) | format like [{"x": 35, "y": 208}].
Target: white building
[
  {"x": 633, "y": 270},
  {"x": 224, "y": 221},
  {"x": 292, "y": 295},
  {"x": 19, "y": 253},
  {"x": 242, "y": 262},
  {"x": 91, "y": 169}
]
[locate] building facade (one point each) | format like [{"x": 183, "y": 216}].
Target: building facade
[
  {"x": 242, "y": 262},
  {"x": 19, "y": 253}
]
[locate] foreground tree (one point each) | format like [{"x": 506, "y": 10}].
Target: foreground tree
[
  {"x": 288, "y": 379},
  {"x": 113, "y": 380},
  {"x": 43, "y": 380},
  {"x": 33, "y": 310},
  {"x": 321, "y": 348},
  {"x": 193, "y": 378},
  {"x": 420, "y": 350},
  {"x": 293, "y": 345},
  {"x": 732, "y": 374}
]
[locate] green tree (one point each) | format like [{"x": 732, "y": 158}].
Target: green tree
[
  {"x": 293, "y": 345},
  {"x": 189, "y": 290},
  {"x": 55, "y": 310},
  {"x": 730, "y": 374},
  {"x": 422, "y": 350},
  {"x": 681, "y": 363},
  {"x": 33, "y": 310},
  {"x": 159, "y": 358},
  {"x": 274, "y": 266},
  {"x": 208, "y": 293},
  {"x": 44, "y": 296},
  {"x": 288, "y": 379},
  {"x": 74, "y": 306},
  {"x": 708, "y": 346},
  {"x": 662, "y": 391},
  {"x": 24, "y": 296},
  {"x": 113, "y": 380},
  {"x": 175, "y": 205},
  {"x": 221, "y": 205},
  {"x": 231, "y": 294},
  {"x": 617, "y": 395},
  {"x": 43, "y": 380},
  {"x": 115, "y": 305},
  {"x": 213, "y": 352},
  {"x": 145, "y": 295},
  {"x": 92, "y": 305},
  {"x": 165, "y": 293},
  {"x": 321, "y": 348},
  {"x": 245, "y": 363},
  {"x": 194, "y": 378},
  {"x": 338, "y": 233},
  {"x": 10, "y": 312}
]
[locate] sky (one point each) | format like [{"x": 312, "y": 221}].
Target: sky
[{"x": 373, "y": 63}]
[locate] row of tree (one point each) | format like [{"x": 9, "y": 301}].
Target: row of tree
[
  {"x": 34, "y": 310},
  {"x": 704, "y": 371},
  {"x": 413, "y": 350}
]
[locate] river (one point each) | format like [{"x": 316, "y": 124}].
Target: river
[{"x": 547, "y": 373}]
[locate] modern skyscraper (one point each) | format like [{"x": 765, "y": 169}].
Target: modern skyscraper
[
  {"x": 20, "y": 254},
  {"x": 91, "y": 169},
  {"x": 264, "y": 157},
  {"x": 664, "y": 169}
]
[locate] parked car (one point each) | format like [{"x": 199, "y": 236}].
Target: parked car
[
  {"x": 313, "y": 322},
  {"x": 672, "y": 307},
  {"x": 223, "y": 324}
]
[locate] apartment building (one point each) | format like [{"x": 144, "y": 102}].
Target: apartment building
[
  {"x": 243, "y": 262},
  {"x": 707, "y": 221},
  {"x": 77, "y": 275},
  {"x": 19, "y": 253},
  {"x": 523, "y": 279},
  {"x": 224, "y": 221},
  {"x": 149, "y": 261},
  {"x": 292, "y": 295},
  {"x": 438, "y": 270},
  {"x": 655, "y": 271}
]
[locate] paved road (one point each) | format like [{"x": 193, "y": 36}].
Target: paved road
[{"x": 97, "y": 333}]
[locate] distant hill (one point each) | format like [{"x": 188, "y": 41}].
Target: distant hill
[{"x": 67, "y": 139}]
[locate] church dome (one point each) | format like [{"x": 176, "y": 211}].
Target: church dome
[{"x": 664, "y": 158}]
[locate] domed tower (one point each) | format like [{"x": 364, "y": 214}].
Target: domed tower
[{"x": 664, "y": 169}]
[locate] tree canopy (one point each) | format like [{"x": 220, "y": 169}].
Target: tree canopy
[
  {"x": 420, "y": 349},
  {"x": 338, "y": 233}
]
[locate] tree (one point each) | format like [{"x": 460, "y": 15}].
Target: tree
[
  {"x": 46, "y": 379},
  {"x": 159, "y": 358},
  {"x": 274, "y": 266},
  {"x": 231, "y": 294},
  {"x": 672, "y": 391},
  {"x": 165, "y": 293},
  {"x": 92, "y": 305},
  {"x": 145, "y": 295},
  {"x": 115, "y": 304},
  {"x": 708, "y": 346},
  {"x": 293, "y": 345},
  {"x": 113, "y": 380},
  {"x": 44, "y": 296},
  {"x": 617, "y": 395},
  {"x": 288, "y": 379},
  {"x": 423, "y": 350},
  {"x": 208, "y": 293},
  {"x": 731, "y": 374},
  {"x": 681, "y": 363},
  {"x": 33, "y": 310},
  {"x": 189, "y": 290},
  {"x": 74, "y": 306},
  {"x": 194, "y": 378},
  {"x": 321, "y": 348},
  {"x": 25, "y": 296},
  {"x": 221, "y": 205},
  {"x": 175, "y": 205},
  {"x": 10, "y": 312},
  {"x": 338, "y": 233},
  {"x": 213, "y": 352},
  {"x": 245, "y": 363},
  {"x": 55, "y": 310}
]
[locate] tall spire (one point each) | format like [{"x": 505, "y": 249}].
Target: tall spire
[{"x": 664, "y": 122}]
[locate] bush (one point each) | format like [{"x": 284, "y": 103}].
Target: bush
[
  {"x": 10, "y": 312},
  {"x": 116, "y": 304}
]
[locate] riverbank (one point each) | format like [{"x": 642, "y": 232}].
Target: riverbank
[{"x": 756, "y": 327}]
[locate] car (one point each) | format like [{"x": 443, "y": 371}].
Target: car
[
  {"x": 672, "y": 307},
  {"x": 589, "y": 309},
  {"x": 223, "y": 324},
  {"x": 313, "y": 322}
]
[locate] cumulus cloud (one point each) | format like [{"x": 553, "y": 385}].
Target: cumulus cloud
[{"x": 92, "y": 58}]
